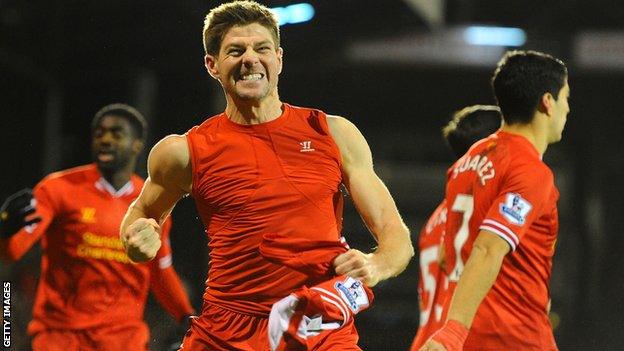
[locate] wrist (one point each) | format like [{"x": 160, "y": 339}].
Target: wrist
[
  {"x": 388, "y": 264},
  {"x": 452, "y": 335}
]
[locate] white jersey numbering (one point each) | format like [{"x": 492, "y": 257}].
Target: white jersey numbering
[{"x": 476, "y": 163}]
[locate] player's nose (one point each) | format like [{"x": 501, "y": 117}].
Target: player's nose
[
  {"x": 250, "y": 57},
  {"x": 105, "y": 138}
]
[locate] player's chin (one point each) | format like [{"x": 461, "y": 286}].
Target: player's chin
[
  {"x": 111, "y": 165},
  {"x": 251, "y": 94},
  {"x": 557, "y": 138}
]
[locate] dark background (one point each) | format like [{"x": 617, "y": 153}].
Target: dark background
[{"x": 60, "y": 61}]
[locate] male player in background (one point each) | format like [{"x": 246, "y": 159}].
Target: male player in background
[
  {"x": 502, "y": 221},
  {"x": 263, "y": 167},
  {"x": 467, "y": 126},
  {"x": 90, "y": 295}
]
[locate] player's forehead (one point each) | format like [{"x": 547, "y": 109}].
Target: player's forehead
[
  {"x": 249, "y": 34},
  {"x": 113, "y": 121}
]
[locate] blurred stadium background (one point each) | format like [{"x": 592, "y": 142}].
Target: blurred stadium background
[{"x": 397, "y": 68}]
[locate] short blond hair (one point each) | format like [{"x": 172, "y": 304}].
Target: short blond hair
[{"x": 237, "y": 13}]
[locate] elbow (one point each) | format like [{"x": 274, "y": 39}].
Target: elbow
[
  {"x": 405, "y": 253},
  {"x": 407, "y": 244},
  {"x": 410, "y": 246},
  {"x": 410, "y": 252}
]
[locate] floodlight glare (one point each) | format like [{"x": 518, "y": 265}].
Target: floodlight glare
[
  {"x": 494, "y": 36},
  {"x": 295, "y": 13}
]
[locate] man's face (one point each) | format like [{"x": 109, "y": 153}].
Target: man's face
[
  {"x": 248, "y": 63},
  {"x": 114, "y": 144},
  {"x": 561, "y": 108}
]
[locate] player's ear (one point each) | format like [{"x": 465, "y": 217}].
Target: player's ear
[
  {"x": 546, "y": 104},
  {"x": 280, "y": 57},
  {"x": 211, "y": 65}
]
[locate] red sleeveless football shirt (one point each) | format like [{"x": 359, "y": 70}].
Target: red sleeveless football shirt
[{"x": 280, "y": 177}]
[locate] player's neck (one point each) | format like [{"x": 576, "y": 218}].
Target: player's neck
[
  {"x": 254, "y": 112},
  {"x": 533, "y": 133},
  {"x": 117, "y": 178}
]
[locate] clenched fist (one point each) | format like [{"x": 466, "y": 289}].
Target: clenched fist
[
  {"x": 142, "y": 239},
  {"x": 358, "y": 265}
]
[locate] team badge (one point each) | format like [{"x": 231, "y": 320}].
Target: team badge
[
  {"x": 352, "y": 292},
  {"x": 515, "y": 209},
  {"x": 87, "y": 215}
]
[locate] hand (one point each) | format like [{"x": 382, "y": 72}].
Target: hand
[
  {"x": 142, "y": 239},
  {"x": 15, "y": 211},
  {"x": 358, "y": 265}
]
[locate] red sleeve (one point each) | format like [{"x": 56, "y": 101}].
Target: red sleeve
[
  {"x": 165, "y": 283},
  {"x": 519, "y": 202},
  {"x": 13, "y": 248}
]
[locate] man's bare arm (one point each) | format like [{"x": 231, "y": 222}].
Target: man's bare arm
[
  {"x": 169, "y": 179},
  {"x": 377, "y": 208},
  {"x": 478, "y": 276},
  {"x": 476, "y": 280}
]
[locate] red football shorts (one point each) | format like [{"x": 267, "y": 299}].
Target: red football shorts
[
  {"x": 108, "y": 338},
  {"x": 219, "y": 329}
]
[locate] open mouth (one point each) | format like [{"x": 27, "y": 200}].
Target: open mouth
[
  {"x": 105, "y": 156},
  {"x": 251, "y": 77}
]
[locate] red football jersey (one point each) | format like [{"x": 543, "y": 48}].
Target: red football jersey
[
  {"x": 502, "y": 186},
  {"x": 279, "y": 177},
  {"x": 432, "y": 280},
  {"x": 86, "y": 278}
]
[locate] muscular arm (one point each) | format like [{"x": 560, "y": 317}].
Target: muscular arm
[
  {"x": 476, "y": 280},
  {"x": 170, "y": 178},
  {"x": 377, "y": 208}
]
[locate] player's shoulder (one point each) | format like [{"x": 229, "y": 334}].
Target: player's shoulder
[
  {"x": 341, "y": 126},
  {"x": 74, "y": 175},
  {"x": 523, "y": 157},
  {"x": 512, "y": 151},
  {"x": 207, "y": 124},
  {"x": 310, "y": 117},
  {"x": 303, "y": 111},
  {"x": 68, "y": 182},
  {"x": 523, "y": 162},
  {"x": 533, "y": 170},
  {"x": 322, "y": 122},
  {"x": 171, "y": 150}
]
